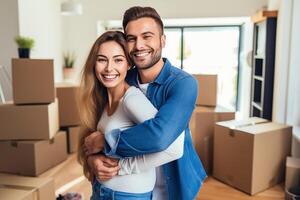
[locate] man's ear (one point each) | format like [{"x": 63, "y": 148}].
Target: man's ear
[{"x": 163, "y": 40}]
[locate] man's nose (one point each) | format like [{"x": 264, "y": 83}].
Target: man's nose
[{"x": 140, "y": 44}]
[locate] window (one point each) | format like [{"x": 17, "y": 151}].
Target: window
[{"x": 208, "y": 50}]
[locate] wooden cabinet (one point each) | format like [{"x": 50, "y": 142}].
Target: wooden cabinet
[{"x": 263, "y": 63}]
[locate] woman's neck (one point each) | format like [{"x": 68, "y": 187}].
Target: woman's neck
[{"x": 114, "y": 96}]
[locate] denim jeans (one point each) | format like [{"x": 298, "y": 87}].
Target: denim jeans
[{"x": 102, "y": 193}]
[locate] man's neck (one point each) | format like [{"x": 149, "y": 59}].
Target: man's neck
[{"x": 149, "y": 75}]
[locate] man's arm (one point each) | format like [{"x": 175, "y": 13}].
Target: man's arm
[
  {"x": 158, "y": 133},
  {"x": 138, "y": 164},
  {"x": 139, "y": 109}
]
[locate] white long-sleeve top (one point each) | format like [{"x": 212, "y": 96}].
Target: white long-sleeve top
[{"x": 137, "y": 174}]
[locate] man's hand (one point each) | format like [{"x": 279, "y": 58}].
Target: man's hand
[
  {"x": 93, "y": 143},
  {"x": 104, "y": 168}
]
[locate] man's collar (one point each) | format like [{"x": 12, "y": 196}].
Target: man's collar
[
  {"x": 160, "y": 79},
  {"x": 163, "y": 74}
]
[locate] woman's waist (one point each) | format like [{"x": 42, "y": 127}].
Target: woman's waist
[{"x": 133, "y": 183}]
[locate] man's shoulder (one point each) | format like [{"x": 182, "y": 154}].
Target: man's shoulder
[{"x": 176, "y": 74}]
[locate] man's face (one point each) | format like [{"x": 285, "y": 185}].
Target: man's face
[{"x": 145, "y": 42}]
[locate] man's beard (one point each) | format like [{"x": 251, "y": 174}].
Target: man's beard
[{"x": 155, "y": 59}]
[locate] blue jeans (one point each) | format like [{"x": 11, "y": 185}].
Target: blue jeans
[{"x": 102, "y": 193}]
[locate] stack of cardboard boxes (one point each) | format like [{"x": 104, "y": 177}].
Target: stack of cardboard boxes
[
  {"x": 204, "y": 117},
  {"x": 26, "y": 188},
  {"x": 30, "y": 140},
  {"x": 69, "y": 120},
  {"x": 248, "y": 155}
]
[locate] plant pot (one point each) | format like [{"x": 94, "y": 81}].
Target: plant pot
[
  {"x": 69, "y": 73},
  {"x": 24, "y": 53}
]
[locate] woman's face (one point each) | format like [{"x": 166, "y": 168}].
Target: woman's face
[{"x": 111, "y": 64}]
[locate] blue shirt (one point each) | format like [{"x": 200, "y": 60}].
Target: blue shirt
[{"x": 173, "y": 93}]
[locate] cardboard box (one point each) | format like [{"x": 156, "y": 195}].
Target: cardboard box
[
  {"x": 28, "y": 122},
  {"x": 207, "y": 89},
  {"x": 72, "y": 138},
  {"x": 202, "y": 125},
  {"x": 250, "y": 156},
  {"x": 32, "y": 158},
  {"x": 292, "y": 175},
  {"x": 68, "y": 109},
  {"x": 9, "y": 193},
  {"x": 26, "y": 188},
  {"x": 33, "y": 81}
]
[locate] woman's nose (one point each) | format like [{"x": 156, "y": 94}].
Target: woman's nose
[{"x": 108, "y": 67}]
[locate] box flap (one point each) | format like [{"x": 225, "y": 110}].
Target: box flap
[
  {"x": 15, "y": 194},
  {"x": 217, "y": 109},
  {"x": 17, "y": 181},
  {"x": 262, "y": 128},
  {"x": 237, "y": 124},
  {"x": 293, "y": 162}
]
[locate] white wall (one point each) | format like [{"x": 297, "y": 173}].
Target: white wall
[
  {"x": 9, "y": 29},
  {"x": 293, "y": 107},
  {"x": 80, "y": 31},
  {"x": 41, "y": 20},
  {"x": 286, "y": 108}
]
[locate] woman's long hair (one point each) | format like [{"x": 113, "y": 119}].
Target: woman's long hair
[{"x": 93, "y": 94}]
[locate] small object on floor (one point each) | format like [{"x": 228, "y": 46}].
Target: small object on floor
[
  {"x": 293, "y": 193},
  {"x": 70, "y": 196}
]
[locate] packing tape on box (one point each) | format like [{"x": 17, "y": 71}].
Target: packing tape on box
[
  {"x": 232, "y": 128},
  {"x": 33, "y": 190},
  {"x": 248, "y": 124}
]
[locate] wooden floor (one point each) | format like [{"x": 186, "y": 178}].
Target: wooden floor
[{"x": 68, "y": 178}]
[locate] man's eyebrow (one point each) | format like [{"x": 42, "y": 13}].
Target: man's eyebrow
[
  {"x": 128, "y": 35},
  {"x": 144, "y": 33},
  {"x": 148, "y": 32}
]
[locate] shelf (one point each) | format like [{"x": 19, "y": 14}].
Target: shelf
[
  {"x": 263, "y": 15},
  {"x": 256, "y": 112},
  {"x": 260, "y": 78},
  {"x": 259, "y": 56},
  {"x": 257, "y": 105}
]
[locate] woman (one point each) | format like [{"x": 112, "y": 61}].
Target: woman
[{"x": 107, "y": 103}]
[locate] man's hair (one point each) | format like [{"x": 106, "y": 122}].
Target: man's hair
[{"x": 138, "y": 12}]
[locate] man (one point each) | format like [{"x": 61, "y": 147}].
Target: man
[{"x": 173, "y": 92}]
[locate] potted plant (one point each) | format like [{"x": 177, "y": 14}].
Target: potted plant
[
  {"x": 69, "y": 60},
  {"x": 24, "y": 46}
]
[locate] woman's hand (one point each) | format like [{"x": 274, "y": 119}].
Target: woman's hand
[
  {"x": 104, "y": 168},
  {"x": 93, "y": 143}
]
